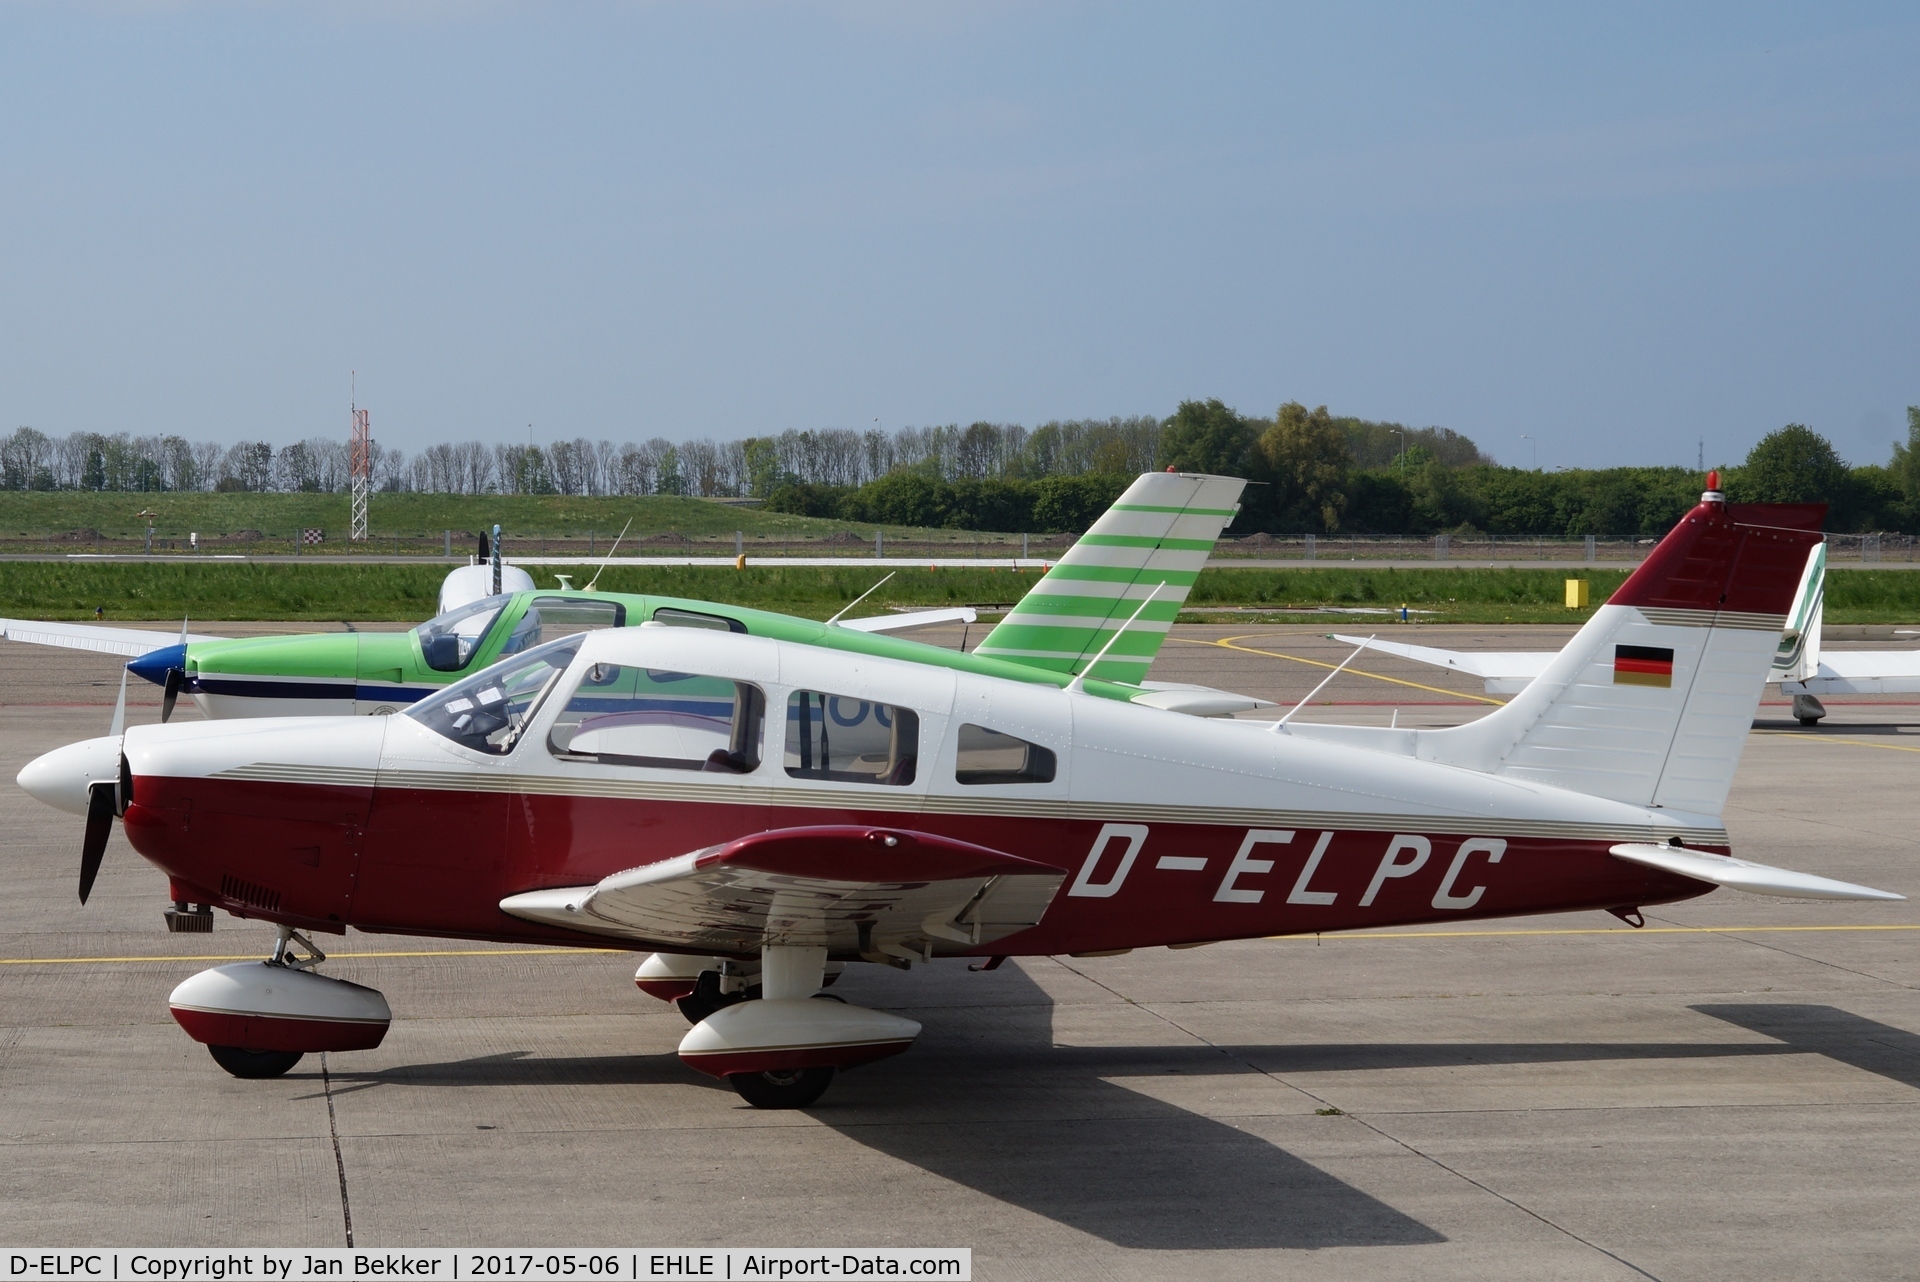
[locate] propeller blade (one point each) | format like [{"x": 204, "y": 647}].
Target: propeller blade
[
  {"x": 176, "y": 678},
  {"x": 119, "y": 723},
  {"x": 99, "y": 828}
]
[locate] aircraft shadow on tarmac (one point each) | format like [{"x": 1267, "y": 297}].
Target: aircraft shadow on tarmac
[
  {"x": 989, "y": 1101},
  {"x": 1843, "y": 728},
  {"x": 1851, "y": 1039}
]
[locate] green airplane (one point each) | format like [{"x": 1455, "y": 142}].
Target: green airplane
[{"x": 1101, "y": 612}]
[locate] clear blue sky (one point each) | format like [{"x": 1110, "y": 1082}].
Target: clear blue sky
[{"x": 1615, "y": 228}]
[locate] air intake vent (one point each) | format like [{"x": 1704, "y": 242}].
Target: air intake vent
[{"x": 245, "y": 892}]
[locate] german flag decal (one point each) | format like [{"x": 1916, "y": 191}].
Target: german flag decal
[{"x": 1643, "y": 665}]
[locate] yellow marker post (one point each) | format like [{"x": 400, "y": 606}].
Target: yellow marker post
[{"x": 1576, "y": 594}]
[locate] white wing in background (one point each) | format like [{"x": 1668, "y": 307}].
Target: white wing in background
[
  {"x": 1503, "y": 671},
  {"x": 129, "y": 643},
  {"x": 911, "y": 619}
]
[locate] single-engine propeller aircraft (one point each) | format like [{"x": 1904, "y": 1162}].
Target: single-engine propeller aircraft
[
  {"x": 756, "y": 813},
  {"x": 1802, "y": 668}
]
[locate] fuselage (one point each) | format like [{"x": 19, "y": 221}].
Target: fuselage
[{"x": 1171, "y": 829}]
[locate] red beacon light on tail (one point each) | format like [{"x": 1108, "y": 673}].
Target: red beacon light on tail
[{"x": 1714, "y": 494}]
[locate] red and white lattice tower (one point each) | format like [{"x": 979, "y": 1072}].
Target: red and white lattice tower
[{"x": 360, "y": 468}]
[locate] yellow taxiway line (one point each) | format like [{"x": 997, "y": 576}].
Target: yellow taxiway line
[{"x": 1228, "y": 643}]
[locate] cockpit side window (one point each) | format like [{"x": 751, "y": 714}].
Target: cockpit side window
[
  {"x": 628, "y": 716},
  {"x": 987, "y": 756},
  {"x": 548, "y": 618},
  {"x": 487, "y": 711},
  {"x": 450, "y": 640},
  {"x": 831, "y": 736}
]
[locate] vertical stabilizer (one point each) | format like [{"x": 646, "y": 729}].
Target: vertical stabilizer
[
  {"x": 1799, "y": 654},
  {"x": 1159, "y": 531},
  {"x": 1652, "y": 700}
]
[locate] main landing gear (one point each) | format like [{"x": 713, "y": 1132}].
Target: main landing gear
[
  {"x": 781, "y": 1048},
  {"x": 1808, "y": 710},
  {"x": 258, "y": 1019}
]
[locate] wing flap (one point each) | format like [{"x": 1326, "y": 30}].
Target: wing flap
[
  {"x": 1741, "y": 874},
  {"x": 846, "y": 888}
]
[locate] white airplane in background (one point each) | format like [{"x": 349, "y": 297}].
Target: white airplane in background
[{"x": 1802, "y": 668}]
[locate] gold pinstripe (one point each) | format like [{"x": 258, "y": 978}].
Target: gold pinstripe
[{"x": 875, "y": 799}]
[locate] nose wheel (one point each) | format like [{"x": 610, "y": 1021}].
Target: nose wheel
[{"x": 254, "y": 1065}]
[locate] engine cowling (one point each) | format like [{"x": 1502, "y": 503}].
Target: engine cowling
[{"x": 259, "y": 1006}]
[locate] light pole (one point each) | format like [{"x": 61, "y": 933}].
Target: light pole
[
  {"x": 1533, "y": 446},
  {"x": 1401, "y": 433}
]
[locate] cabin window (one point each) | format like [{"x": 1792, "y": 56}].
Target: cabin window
[
  {"x": 487, "y": 710},
  {"x": 832, "y": 736},
  {"x": 448, "y": 641},
  {"x": 548, "y": 618},
  {"x": 987, "y": 756},
  {"x": 626, "y": 716},
  {"x": 694, "y": 619}
]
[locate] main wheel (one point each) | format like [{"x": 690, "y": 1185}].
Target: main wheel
[
  {"x": 1809, "y": 721},
  {"x": 246, "y": 1063},
  {"x": 782, "y": 1087}
]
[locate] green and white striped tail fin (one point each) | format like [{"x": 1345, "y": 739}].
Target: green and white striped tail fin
[{"x": 1160, "y": 531}]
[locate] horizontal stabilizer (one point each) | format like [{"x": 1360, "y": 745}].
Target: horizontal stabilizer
[
  {"x": 1740, "y": 874},
  {"x": 912, "y": 619},
  {"x": 129, "y": 643},
  {"x": 850, "y": 889}
]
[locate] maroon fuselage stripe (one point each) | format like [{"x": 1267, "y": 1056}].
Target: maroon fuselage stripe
[{"x": 437, "y": 863}]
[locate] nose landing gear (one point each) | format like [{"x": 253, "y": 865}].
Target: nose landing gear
[{"x": 257, "y": 1019}]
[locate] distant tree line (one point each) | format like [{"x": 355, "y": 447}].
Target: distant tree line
[
  {"x": 752, "y": 467},
  {"x": 1312, "y": 472}
]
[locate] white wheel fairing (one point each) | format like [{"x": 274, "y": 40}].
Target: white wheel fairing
[
  {"x": 258, "y": 1006},
  {"x": 793, "y": 1032}
]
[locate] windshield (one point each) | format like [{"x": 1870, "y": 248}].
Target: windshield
[
  {"x": 449, "y": 641},
  {"x": 486, "y": 711}
]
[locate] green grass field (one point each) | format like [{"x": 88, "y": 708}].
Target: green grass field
[
  {"x": 230, "y": 590},
  {"x": 27, "y": 515}
]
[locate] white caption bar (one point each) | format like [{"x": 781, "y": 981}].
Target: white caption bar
[{"x": 478, "y": 1264}]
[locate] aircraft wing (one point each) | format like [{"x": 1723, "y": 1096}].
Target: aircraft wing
[
  {"x": 1861, "y": 672},
  {"x": 911, "y": 619},
  {"x": 1741, "y": 874},
  {"x": 879, "y": 892},
  {"x": 1504, "y": 671},
  {"x": 129, "y": 642}
]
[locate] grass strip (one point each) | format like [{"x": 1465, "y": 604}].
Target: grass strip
[{"x": 246, "y": 590}]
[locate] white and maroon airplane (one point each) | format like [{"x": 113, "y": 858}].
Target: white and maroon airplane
[{"x": 758, "y": 813}]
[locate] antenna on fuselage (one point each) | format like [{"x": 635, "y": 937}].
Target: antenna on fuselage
[
  {"x": 863, "y": 596},
  {"x": 1079, "y": 681},
  {"x": 609, "y": 557},
  {"x": 1279, "y": 725}
]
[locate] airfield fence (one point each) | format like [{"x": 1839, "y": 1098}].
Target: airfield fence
[{"x": 1865, "y": 549}]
